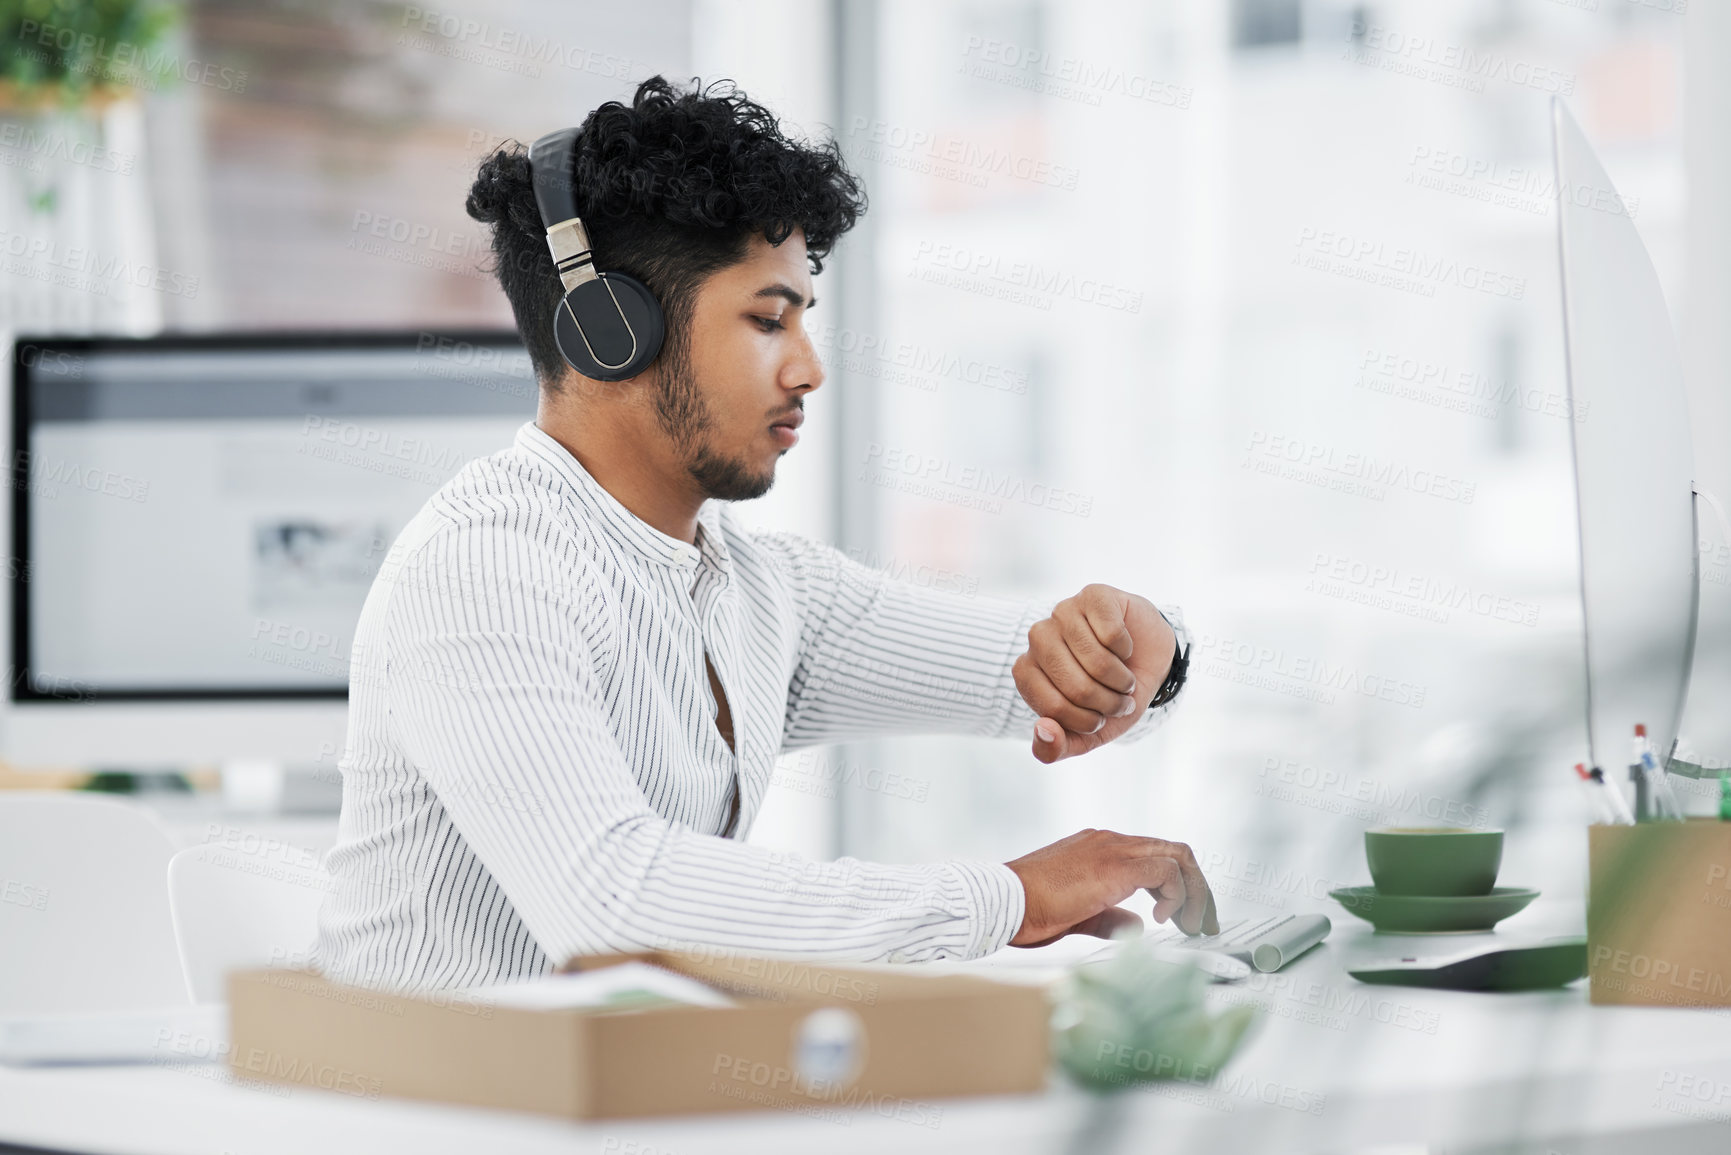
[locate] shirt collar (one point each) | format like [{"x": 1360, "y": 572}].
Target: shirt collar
[
  {"x": 607, "y": 514},
  {"x": 710, "y": 538}
]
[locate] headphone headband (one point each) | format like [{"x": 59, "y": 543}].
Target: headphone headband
[
  {"x": 551, "y": 170},
  {"x": 551, "y": 161}
]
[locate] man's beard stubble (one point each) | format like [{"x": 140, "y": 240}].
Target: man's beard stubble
[{"x": 685, "y": 417}]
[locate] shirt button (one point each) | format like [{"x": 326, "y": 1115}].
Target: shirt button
[{"x": 684, "y": 555}]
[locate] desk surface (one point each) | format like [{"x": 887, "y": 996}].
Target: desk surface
[{"x": 1335, "y": 1065}]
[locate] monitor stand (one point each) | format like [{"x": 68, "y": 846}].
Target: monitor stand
[{"x": 262, "y": 786}]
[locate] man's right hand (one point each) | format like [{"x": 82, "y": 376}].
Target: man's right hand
[{"x": 1074, "y": 886}]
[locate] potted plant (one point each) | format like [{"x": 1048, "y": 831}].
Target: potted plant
[
  {"x": 80, "y": 238},
  {"x": 75, "y": 54}
]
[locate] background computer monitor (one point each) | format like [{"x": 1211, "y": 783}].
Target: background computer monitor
[
  {"x": 1634, "y": 465},
  {"x": 196, "y": 521}
]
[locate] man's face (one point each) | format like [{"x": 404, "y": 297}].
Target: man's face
[{"x": 732, "y": 393}]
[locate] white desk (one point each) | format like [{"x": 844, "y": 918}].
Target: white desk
[{"x": 1336, "y": 1066}]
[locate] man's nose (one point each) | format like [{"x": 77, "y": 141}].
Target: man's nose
[{"x": 806, "y": 370}]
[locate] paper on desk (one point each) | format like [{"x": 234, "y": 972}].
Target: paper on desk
[
  {"x": 168, "y": 1035},
  {"x": 627, "y": 986}
]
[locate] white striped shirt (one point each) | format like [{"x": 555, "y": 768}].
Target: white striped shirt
[{"x": 533, "y": 769}]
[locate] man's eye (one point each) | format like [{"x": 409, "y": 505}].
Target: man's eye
[{"x": 769, "y": 324}]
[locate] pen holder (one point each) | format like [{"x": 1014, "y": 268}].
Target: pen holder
[{"x": 1659, "y": 913}]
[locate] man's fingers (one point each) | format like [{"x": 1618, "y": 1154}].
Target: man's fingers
[
  {"x": 1198, "y": 916},
  {"x": 1156, "y": 645},
  {"x": 1080, "y": 687},
  {"x": 1066, "y": 744},
  {"x": 1053, "y": 645},
  {"x": 1074, "y": 885},
  {"x": 1049, "y": 740},
  {"x": 1198, "y": 913},
  {"x": 1049, "y": 702},
  {"x": 1104, "y": 608},
  {"x": 1165, "y": 881},
  {"x": 1180, "y": 892},
  {"x": 1100, "y": 644}
]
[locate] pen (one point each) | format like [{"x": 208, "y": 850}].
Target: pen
[
  {"x": 1618, "y": 802},
  {"x": 1595, "y": 796},
  {"x": 1658, "y": 782},
  {"x": 1608, "y": 801}
]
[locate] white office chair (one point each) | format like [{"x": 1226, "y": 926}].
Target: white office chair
[
  {"x": 84, "y": 922},
  {"x": 252, "y": 903}
]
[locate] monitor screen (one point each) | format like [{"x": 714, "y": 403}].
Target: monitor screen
[
  {"x": 203, "y": 517},
  {"x": 1633, "y": 462}
]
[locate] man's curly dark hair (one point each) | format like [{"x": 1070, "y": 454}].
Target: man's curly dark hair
[{"x": 671, "y": 189}]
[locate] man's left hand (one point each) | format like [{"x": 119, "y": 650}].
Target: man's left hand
[{"x": 1092, "y": 668}]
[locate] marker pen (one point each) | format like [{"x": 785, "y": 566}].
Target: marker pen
[
  {"x": 1643, "y": 797},
  {"x": 1596, "y": 796},
  {"x": 1664, "y": 799},
  {"x": 1618, "y": 802}
]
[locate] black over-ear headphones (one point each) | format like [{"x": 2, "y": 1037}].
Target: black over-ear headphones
[{"x": 608, "y": 327}]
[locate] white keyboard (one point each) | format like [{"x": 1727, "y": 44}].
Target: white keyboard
[{"x": 1264, "y": 943}]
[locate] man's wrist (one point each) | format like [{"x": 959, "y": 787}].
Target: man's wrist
[{"x": 1019, "y": 717}]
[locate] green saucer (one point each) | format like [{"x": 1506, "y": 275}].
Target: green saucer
[{"x": 1431, "y": 914}]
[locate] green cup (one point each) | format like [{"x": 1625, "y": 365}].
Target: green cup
[{"x": 1433, "y": 860}]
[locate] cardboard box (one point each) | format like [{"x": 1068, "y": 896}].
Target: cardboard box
[
  {"x": 1659, "y": 913},
  {"x": 810, "y": 1038}
]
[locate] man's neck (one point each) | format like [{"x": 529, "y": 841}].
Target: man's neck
[{"x": 613, "y": 454}]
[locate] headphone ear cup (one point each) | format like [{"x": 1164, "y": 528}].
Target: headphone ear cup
[{"x": 609, "y": 328}]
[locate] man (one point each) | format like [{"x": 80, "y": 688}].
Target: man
[{"x": 575, "y": 669}]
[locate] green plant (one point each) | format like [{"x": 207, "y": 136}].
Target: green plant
[
  {"x": 70, "y": 48},
  {"x": 1138, "y": 1018}
]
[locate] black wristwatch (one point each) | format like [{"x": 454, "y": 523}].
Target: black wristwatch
[{"x": 1174, "y": 678}]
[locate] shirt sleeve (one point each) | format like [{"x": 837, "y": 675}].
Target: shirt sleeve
[
  {"x": 880, "y": 655},
  {"x": 497, "y": 697}
]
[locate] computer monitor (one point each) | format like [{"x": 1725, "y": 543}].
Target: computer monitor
[
  {"x": 1634, "y": 467},
  {"x": 196, "y": 521}
]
